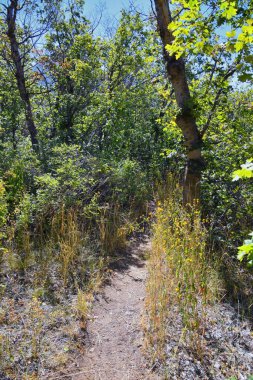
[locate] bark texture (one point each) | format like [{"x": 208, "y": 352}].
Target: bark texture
[
  {"x": 185, "y": 119},
  {"x": 12, "y": 10}
]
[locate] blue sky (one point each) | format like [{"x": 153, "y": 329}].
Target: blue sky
[{"x": 112, "y": 9}]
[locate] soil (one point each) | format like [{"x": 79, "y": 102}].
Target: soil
[{"x": 114, "y": 344}]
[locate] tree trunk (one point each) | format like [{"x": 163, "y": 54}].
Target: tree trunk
[
  {"x": 185, "y": 119},
  {"x": 19, "y": 70}
]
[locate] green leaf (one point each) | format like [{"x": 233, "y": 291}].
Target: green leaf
[
  {"x": 246, "y": 248},
  {"x": 231, "y": 34},
  {"x": 241, "y": 255},
  {"x": 245, "y": 77},
  {"x": 242, "y": 173},
  {"x": 249, "y": 58},
  {"x": 246, "y": 171},
  {"x": 229, "y": 9}
]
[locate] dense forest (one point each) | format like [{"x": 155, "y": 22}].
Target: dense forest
[{"x": 143, "y": 129}]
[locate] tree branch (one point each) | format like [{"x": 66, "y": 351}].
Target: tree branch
[{"x": 229, "y": 73}]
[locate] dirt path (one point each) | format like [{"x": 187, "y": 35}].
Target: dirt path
[{"x": 114, "y": 344}]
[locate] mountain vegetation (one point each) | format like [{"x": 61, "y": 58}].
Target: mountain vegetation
[{"x": 104, "y": 137}]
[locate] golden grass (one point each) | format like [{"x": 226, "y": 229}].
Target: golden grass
[
  {"x": 181, "y": 280},
  {"x": 63, "y": 254}
]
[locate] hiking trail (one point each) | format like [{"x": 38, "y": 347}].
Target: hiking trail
[{"x": 114, "y": 344}]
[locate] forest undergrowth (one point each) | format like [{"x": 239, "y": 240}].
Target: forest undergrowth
[{"x": 190, "y": 330}]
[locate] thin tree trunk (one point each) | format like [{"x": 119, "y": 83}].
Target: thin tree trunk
[
  {"x": 185, "y": 119},
  {"x": 19, "y": 70}
]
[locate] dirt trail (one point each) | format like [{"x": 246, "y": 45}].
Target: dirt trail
[{"x": 114, "y": 343}]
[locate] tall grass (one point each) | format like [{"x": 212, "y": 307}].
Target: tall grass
[
  {"x": 62, "y": 260},
  {"x": 66, "y": 231},
  {"x": 181, "y": 280},
  {"x": 115, "y": 225}
]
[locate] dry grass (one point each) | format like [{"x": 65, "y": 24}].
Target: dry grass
[
  {"x": 180, "y": 278},
  {"x": 36, "y": 337},
  {"x": 59, "y": 264},
  {"x": 66, "y": 229},
  {"x": 114, "y": 228}
]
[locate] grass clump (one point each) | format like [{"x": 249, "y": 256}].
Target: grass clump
[{"x": 181, "y": 279}]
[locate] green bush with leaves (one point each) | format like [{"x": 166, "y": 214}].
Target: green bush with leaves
[{"x": 245, "y": 250}]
